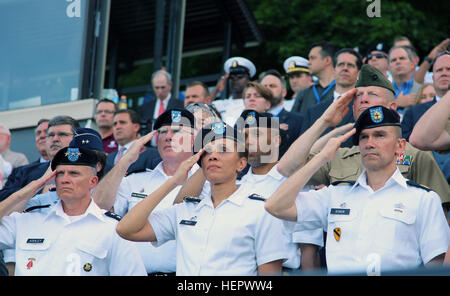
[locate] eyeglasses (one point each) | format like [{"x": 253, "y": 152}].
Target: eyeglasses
[
  {"x": 104, "y": 111},
  {"x": 237, "y": 75},
  {"x": 60, "y": 135},
  {"x": 377, "y": 55}
]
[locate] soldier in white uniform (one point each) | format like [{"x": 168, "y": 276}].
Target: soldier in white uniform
[
  {"x": 27, "y": 200},
  {"x": 75, "y": 237},
  {"x": 175, "y": 128},
  {"x": 240, "y": 71},
  {"x": 263, "y": 138},
  {"x": 380, "y": 222},
  {"x": 226, "y": 233}
]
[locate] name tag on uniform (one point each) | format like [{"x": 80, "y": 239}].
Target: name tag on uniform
[
  {"x": 35, "y": 241},
  {"x": 337, "y": 211},
  {"x": 188, "y": 222},
  {"x": 138, "y": 195}
]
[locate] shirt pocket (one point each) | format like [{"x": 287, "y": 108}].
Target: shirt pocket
[
  {"x": 30, "y": 257},
  {"x": 341, "y": 227},
  {"x": 344, "y": 174},
  {"x": 396, "y": 228},
  {"x": 92, "y": 258}
]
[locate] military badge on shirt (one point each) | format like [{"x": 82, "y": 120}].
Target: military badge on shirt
[{"x": 404, "y": 159}]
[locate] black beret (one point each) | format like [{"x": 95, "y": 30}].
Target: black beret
[
  {"x": 371, "y": 76},
  {"x": 87, "y": 138},
  {"x": 215, "y": 131},
  {"x": 175, "y": 116},
  {"x": 378, "y": 46},
  {"x": 374, "y": 117},
  {"x": 252, "y": 118},
  {"x": 75, "y": 156}
]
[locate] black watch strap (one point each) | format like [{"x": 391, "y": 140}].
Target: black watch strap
[{"x": 428, "y": 59}]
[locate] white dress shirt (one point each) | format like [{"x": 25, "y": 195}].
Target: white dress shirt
[
  {"x": 231, "y": 239},
  {"x": 230, "y": 109},
  {"x": 54, "y": 243},
  {"x": 398, "y": 226},
  {"x": 133, "y": 189}
]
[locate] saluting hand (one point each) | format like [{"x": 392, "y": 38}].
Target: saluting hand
[
  {"x": 338, "y": 109},
  {"x": 328, "y": 152},
  {"x": 181, "y": 173},
  {"x": 137, "y": 147},
  {"x": 45, "y": 180}
]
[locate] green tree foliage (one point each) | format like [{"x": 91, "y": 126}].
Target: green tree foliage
[{"x": 291, "y": 26}]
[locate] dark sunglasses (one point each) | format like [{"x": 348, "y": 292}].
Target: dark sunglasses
[
  {"x": 237, "y": 75},
  {"x": 377, "y": 55}
]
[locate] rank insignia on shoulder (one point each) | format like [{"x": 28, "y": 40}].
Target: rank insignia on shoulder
[
  {"x": 192, "y": 199},
  {"x": 404, "y": 159},
  {"x": 113, "y": 215},
  {"x": 256, "y": 197},
  {"x": 35, "y": 208},
  {"x": 343, "y": 182},
  {"x": 414, "y": 184}
]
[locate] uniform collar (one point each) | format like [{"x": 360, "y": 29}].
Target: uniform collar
[
  {"x": 92, "y": 209},
  {"x": 396, "y": 179},
  {"x": 160, "y": 169},
  {"x": 274, "y": 173},
  {"x": 236, "y": 198}
]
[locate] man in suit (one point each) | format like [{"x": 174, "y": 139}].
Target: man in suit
[
  {"x": 441, "y": 78},
  {"x": 290, "y": 122},
  {"x": 40, "y": 139},
  {"x": 320, "y": 65},
  {"x": 104, "y": 115},
  {"x": 163, "y": 100},
  {"x": 347, "y": 64},
  {"x": 59, "y": 134},
  {"x": 16, "y": 159},
  {"x": 125, "y": 130}
]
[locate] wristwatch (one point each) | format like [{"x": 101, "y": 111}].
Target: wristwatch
[{"x": 428, "y": 59}]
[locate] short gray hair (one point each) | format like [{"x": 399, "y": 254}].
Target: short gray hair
[
  {"x": 162, "y": 72},
  {"x": 409, "y": 51}
]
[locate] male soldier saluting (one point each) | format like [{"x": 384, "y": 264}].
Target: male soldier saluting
[
  {"x": 382, "y": 218},
  {"x": 372, "y": 88},
  {"x": 75, "y": 237}
]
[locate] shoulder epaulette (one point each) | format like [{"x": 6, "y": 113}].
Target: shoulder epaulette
[
  {"x": 137, "y": 171},
  {"x": 414, "y": 184},
  {"x": 52, "y": 189},
  {"x": 335, "y": 183},
  {"x": 113, "y": 215},
  {"x": 256, "y": 197},
  {"x": 35, "y": 208},
  {"x": 192, "y": 199}
]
